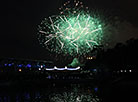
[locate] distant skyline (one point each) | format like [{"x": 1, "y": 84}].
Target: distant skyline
[{"x": 20, "y": 19}]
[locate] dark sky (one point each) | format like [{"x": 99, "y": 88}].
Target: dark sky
[{"x": 20, "y": 19}]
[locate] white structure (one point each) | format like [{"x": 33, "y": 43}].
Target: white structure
[{"x": 66, "y": 68}]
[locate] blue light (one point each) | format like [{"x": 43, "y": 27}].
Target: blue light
[
  {"x": 38, "y": 66},
  {"x": 60, "y": 68},
  {"x": 94, "y": 70},
  {"x": 71, "y": 69},
  {"x": 5, "y": 64},
  {"x": 96, "y": 89},
  {"x": 19, "y": 65},
  {"x": 9, "y": 65},
  {"x": 49, "y": 77},
  {"x": 29, "y": 65}
]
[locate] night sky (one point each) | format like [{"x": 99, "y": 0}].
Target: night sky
[{"x": 20, "y": 19}]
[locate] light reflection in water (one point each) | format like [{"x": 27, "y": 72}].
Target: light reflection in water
[{"x": 72, "y": 93}]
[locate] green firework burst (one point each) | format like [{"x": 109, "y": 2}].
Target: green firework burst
[{"x": 73, "y": 31}]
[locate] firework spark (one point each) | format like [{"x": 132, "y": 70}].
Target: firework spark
[{"x": 73, "y": 31}]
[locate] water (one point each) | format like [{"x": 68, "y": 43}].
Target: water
[{"x": 50, "y": 93}]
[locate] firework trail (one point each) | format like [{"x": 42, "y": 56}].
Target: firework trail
[{"x": 74, "y": 31}]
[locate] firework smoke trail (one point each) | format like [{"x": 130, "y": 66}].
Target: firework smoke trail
[{"x": 73, "y": 31}]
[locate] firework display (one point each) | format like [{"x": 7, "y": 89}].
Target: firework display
[{"x": 75, "y": 31}]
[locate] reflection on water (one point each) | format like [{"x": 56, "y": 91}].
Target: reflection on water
[
  {"x": 54, "y": 93},
  {"x": 74, "y": 95}
]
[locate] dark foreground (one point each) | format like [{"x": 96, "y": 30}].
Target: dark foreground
[{"x": 120, "y": 90}]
